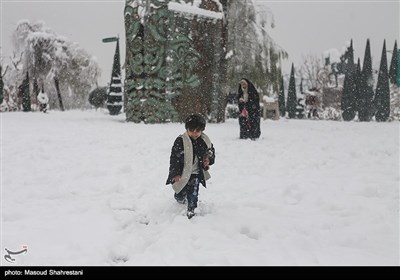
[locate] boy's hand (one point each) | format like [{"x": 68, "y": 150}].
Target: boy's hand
[
  {"x": 206, "y": 163},
  {"x": 177, "y": 178}
]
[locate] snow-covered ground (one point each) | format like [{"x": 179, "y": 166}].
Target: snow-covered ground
[{"x": 86, "y": 188}]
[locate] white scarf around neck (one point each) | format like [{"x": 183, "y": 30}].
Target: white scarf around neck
[{"x": 188, "y": 161}]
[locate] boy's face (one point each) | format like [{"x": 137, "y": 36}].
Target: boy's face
[{"x": 194, "y": 134}]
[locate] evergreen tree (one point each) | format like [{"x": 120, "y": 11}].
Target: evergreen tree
[
  {"x": 350, "y": 54},
  {"x": 281, "y": 99},
  {"x": 366, "y": 94},
  {"x": 114, "y": 99},
  {"x": 348, "y": 104},
  {"x": 292, "y": 97},
  {"x": 26, "y": 96},
  {"x": 357, "y": 84},
  {"x": 394, "y": 64},
  {"x": 98, "y": 97},
  {"x": 382, "y": 93}
]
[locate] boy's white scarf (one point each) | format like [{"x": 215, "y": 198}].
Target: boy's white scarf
[{"x": 188, "y": 162}]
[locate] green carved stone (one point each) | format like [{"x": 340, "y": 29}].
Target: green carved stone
[{"x": 160, "y": 61}]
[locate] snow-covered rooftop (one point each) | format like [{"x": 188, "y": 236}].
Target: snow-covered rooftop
[{"x": 193, "y": 10}]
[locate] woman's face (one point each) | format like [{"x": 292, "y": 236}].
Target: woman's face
[{"x": 244, "y": 84}]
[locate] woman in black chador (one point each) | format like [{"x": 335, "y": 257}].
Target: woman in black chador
[{"x": 249, "y": 108}]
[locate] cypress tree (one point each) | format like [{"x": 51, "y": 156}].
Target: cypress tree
[
  {"x": 348, "y": 103},
  {"x": 351, "y": 53},
  {"x": 348, "y": 98},
  {"x": 382, "y": 93},
  {"x": 26, "y": 96},
  {"x": 357, "y": 82},
  {"x": 281, "y": 99},
  {"x": 366, "y": 87},
  {"x": 114, "y": 99},
  {"x": 394, "y": 64},
  {"x": 292, "y": 98}
]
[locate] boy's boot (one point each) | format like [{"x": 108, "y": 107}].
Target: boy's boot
[
  {"x": 190, "y": 212},
  {"x": 180, "y": 199}
]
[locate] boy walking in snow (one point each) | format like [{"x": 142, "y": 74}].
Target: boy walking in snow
[{"x": 191, "y": 157}]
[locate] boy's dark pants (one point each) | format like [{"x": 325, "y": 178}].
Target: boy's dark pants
[{"x": 190, "y": 191}]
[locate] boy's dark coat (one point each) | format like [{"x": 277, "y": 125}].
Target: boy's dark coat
[{"x": 177, "y": 158}]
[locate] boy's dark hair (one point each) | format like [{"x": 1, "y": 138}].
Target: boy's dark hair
[{"x": 195, "y": 122}]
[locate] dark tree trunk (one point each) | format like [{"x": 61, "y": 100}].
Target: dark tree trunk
[
  {"x": 59, "y": 94},
  {"x": 1, "y": 85},
  {"x": 26, "y": 96}
]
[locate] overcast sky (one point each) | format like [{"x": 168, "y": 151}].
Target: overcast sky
[
  {"x": 301, "y": 27},
  {"x": 313, "y": 27}
]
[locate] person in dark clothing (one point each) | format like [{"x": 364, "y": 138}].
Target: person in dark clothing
[
  {"x": 191, "y": 157},
  {"x": 43, "y": 101},
  {"x": 249, "y": 108}
]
